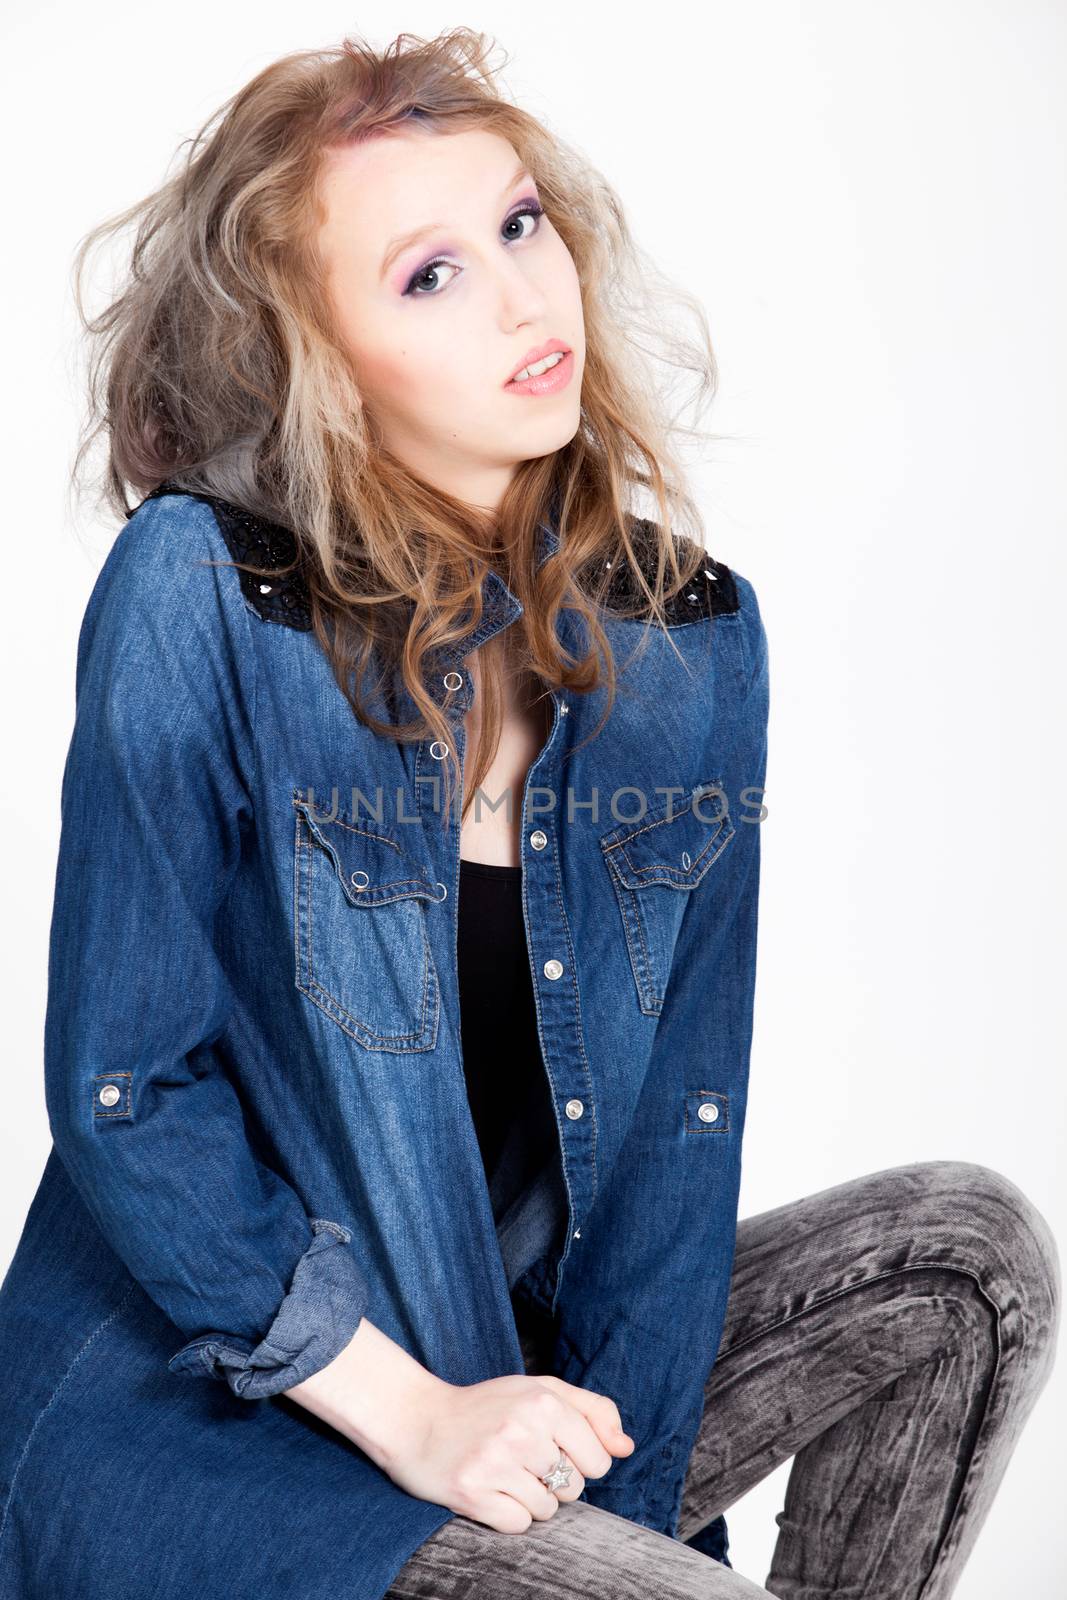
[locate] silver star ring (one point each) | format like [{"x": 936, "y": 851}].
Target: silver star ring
[{"x": 560, "y": 1476}]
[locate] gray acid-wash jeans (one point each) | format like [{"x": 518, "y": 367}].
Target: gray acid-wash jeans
[{"x": 891, "y": 1333}]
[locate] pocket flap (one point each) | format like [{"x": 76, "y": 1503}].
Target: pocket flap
[
  {"x": 372, "y": 867},
  {"x": 674, "y": 843}
]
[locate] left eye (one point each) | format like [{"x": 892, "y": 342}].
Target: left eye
[
  {"x": 532, "y": 211},
  {"x": 415, "y": 286}
]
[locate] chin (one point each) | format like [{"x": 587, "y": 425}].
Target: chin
[{"x": 546, "y": 434}]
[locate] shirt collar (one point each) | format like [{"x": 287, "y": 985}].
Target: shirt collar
[{"x": 500, "y": 606}]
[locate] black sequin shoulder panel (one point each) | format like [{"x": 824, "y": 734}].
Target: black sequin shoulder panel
[
  {"x": 265, "y": 544},
  {"x": 711, "y": 593}
]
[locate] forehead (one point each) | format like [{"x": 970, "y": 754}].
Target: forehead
[{"x": 403, "y": 179}]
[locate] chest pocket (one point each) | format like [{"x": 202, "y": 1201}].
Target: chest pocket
[
  {"x": 362, "y": 945},
  {"x": 655, "y": 864}
]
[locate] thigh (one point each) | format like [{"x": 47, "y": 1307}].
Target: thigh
[
  {"x": 583, "y": 1552},
  {"x": 835, "y": 1296}
]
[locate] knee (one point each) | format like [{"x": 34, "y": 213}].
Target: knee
[{"x": 997, "y": 1233}]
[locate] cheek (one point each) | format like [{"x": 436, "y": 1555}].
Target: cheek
[
  {"x": 568, "y": 286},
  {"x": 418, "y": 375},
  {"x": 383, "y": 368},
  {"x": 384, "y": 353}
]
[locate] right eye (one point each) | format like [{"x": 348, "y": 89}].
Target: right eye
[{"x": 430, "y": 267}]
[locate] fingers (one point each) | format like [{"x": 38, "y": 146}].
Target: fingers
[
  {"x": 572, "y": 1431},
  {"x": 575, "y": 1483},
  {"x": 541, "y": 1502},
  {"x": 600, "y": 1412},
  {"x": 526, "y": 1486},
  {"x": 548, "y": 1418}
]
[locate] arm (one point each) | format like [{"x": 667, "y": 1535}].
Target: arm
[
  {"x": 156, "y": 800},
  {"x": 374, "y": 1393}
]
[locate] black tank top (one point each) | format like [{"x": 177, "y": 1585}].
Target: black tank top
[{"x": 507, "y": 1085}]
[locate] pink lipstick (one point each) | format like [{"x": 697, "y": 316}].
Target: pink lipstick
[{"x": 556, "y": 377}]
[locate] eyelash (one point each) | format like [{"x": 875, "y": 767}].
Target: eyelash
[{"x": 530, "y": 209}]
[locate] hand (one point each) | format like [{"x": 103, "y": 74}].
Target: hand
[
  {"x": 477, "y": 1448},
  {"x": 480, "y": 1448}
]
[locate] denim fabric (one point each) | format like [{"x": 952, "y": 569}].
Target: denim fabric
[
  {"x": 254, "y": 1081},
  {"x": 892, "y": 1334}
]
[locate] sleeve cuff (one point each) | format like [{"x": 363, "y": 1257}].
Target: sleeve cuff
[{"x": 316, "y": 1320}]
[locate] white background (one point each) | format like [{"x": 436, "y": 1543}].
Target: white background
[{"x": 869, "y": 200}]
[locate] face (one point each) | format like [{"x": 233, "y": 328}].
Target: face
[{"x": 437, "y": 324}]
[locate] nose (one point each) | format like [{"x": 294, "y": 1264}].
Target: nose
[{"x": 521, "y": 301}]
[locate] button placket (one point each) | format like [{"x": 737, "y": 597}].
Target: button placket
[{"x": 558, "y": 1004}]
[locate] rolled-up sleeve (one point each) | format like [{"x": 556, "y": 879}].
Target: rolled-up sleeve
[{"x": 156, "y": 809}]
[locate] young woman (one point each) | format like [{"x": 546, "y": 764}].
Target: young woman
[{"x": 403, "y": 947}]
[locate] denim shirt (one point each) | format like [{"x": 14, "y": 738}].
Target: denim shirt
[{"x": 252, "y": 1043}]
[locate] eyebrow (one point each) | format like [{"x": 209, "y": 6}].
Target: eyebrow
[{"x": 404, "y": 241}]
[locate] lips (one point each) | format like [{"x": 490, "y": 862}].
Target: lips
[{"x": 537, "y": 353}]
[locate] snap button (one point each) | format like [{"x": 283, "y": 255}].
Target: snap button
[
  {"x": 356, "y": 876},
  {"x": 577, "y": 1233},
  {"x": 686, "y": 863},
  {"x": 574, "y": 1109},
  {"x": 109, "y": 1094},
  {"x": 707, "y": 1111},
  {"x": 538, "y": 840},
  {"x": 453, "y": 680},
  {"x": 563, "y": 708},
  {"x": 439, "y": 749},
  {"x": 553, "y": 968}
]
